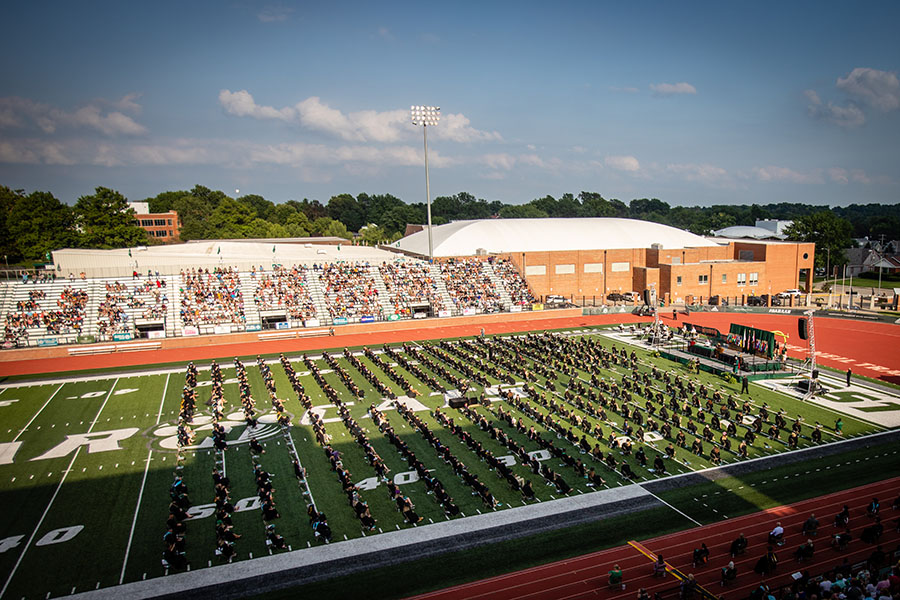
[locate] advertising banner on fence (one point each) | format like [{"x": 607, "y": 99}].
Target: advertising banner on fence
[
  {"x": 254, "y": 327},
  {"x": 468, "y": 311},
  {"x": 190, "y": 330},
  {"x": 443, "y": 313},
  {"x": 537, "y": 307},
  {"x": 311, "y": 323},
  {"x": 340, "y": 321},
  {"x": 222, "y": 329},
  {"x": 156, "y": 334},
  {"x": 86, "y": 339},
  {"x": 515, "y": 308},
  {"x": 48, "y": 342},
  {"x": 394, "y": 317},
  {"x": 420, "y": 315},
  {"x": 367, "y": 319},
  {"x": 122, "y": 337},
  {"x": 282, "y": 325}
]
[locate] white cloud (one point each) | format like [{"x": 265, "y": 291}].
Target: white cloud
[
  {"x": 880, "y": 89},
  {"x": 843, "y": 116},
  {"x": 845, "y": 176},
  {"x": 622, "y": 163},
  {"x": 626, "y": 89},
  {"x": 672, "y": 89},
  {"x": 274, "y": 14},
  {"x": 19, "y": 112},
  {"x": 499, "y": 161},
  {"x": 775, "y": 174},
  {"x": 362, "y": 126},
  {"x": 701, "y": 173},
  {"x": 385, "y": 33}
]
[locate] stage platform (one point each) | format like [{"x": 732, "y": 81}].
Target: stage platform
[{"x": 754, "y": 367}]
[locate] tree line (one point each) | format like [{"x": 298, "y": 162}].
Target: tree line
[{"x": 33, "y": 224}]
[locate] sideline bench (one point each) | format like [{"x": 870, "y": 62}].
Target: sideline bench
[{"x": 91, "y": 349}]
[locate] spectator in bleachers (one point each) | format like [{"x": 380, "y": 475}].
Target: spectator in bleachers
[
  {"x": 285, "y": 289},
  {"x": 516, "y": 285},
  {"x": 211, "y": 297},
  {"x": 408, "y": 284},
  {"x": 469, "y": 286},
  {"x": 350, "y": 290}
]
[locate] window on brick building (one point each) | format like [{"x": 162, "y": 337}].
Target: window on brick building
[
  {"x": 678, "y": 280},
  {"x": 703, "y": 279},
  {"x": 724, "y": 278},
  {"x": 146, "y": 222},
  {"x": 754, "y": 278},
  {"x": 742, "y": 279}
]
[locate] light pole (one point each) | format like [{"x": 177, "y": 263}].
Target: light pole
[{"x": 425, "y": 116}]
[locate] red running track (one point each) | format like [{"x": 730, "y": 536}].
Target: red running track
[{"x": 585, "y": 577}]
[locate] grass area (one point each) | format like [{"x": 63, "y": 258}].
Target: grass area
[{"x": 98, "y": 502}]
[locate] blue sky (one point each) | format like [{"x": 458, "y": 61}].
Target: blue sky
[{"x": 689, "y": 102}]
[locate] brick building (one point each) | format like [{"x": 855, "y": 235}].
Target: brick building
[
  {"x": 164, "y": 227},
  {"x": 597, "y": 256}
]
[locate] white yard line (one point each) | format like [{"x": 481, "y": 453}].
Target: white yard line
[
  {"x": 137, "y": 506},
  {"x": 294, "y": 448},
  {"x": 669, "y": 505},
  {"x": 38, "y": 412},
  {"x": 55, "y": 494},
  {"x": 162, "y": 400},
  {"x": 134, "y": 521}
]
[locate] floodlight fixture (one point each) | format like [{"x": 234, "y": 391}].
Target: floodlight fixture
[{"x": 425, "y": 116}]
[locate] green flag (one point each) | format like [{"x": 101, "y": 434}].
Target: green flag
[
  {"x": 129, "y": 252},
  {"x": 219, "y": 251},
  {"x": 339, "y": 247},
  {"x": 273, "y": 248}
]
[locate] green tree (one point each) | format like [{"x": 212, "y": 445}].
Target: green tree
[
  {"x": 165, "y": 201},
  {"x": 521, "y": 211},
  {"x": 326, "y": 226},
  {"x": 298, "y": 225},
  {"x": 264, "y": 209},
  {"x": 8, "y": 200},
  {"x": 106, "y": 221},
  {"x": 232, "y": 219},
  {"x": 827, "y": 230},
  {"x": 346, "y": 209},
  {"x": 373, "y": 234},
  {"x": 282, "y": 212},
  {"x": 39, "y": 223}
]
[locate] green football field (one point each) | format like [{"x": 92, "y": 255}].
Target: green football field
[{"x": 86, "y": 462}]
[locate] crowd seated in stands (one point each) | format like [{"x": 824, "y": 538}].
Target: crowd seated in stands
[
  {"x": 349, "y": 289},
  {"x": 149, "y": 298},
  {"x": 409, "y": 284},
  {"x": 211, "y": 297},
  {"x": 67, "y": 318},
  {"x": 515, "y": 284},
  {"x": 285, "y": 288},
  {"x": 469, "y": 286}
]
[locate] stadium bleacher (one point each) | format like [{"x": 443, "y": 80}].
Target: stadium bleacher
[{"x": 46, "y": 311}]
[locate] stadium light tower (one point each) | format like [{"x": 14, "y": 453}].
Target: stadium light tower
[{"x": 425, "y": 116}]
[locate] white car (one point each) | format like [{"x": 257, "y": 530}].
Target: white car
[{"x": 787, "y": 293}]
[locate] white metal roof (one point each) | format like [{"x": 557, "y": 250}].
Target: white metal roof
[{"x": 464, "y": 238}]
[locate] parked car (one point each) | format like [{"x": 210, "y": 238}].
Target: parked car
[
  {"x": 787, "y": 293},
  {"x": 714, "y": 300},
  {"x": 615, "y": 297}
]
